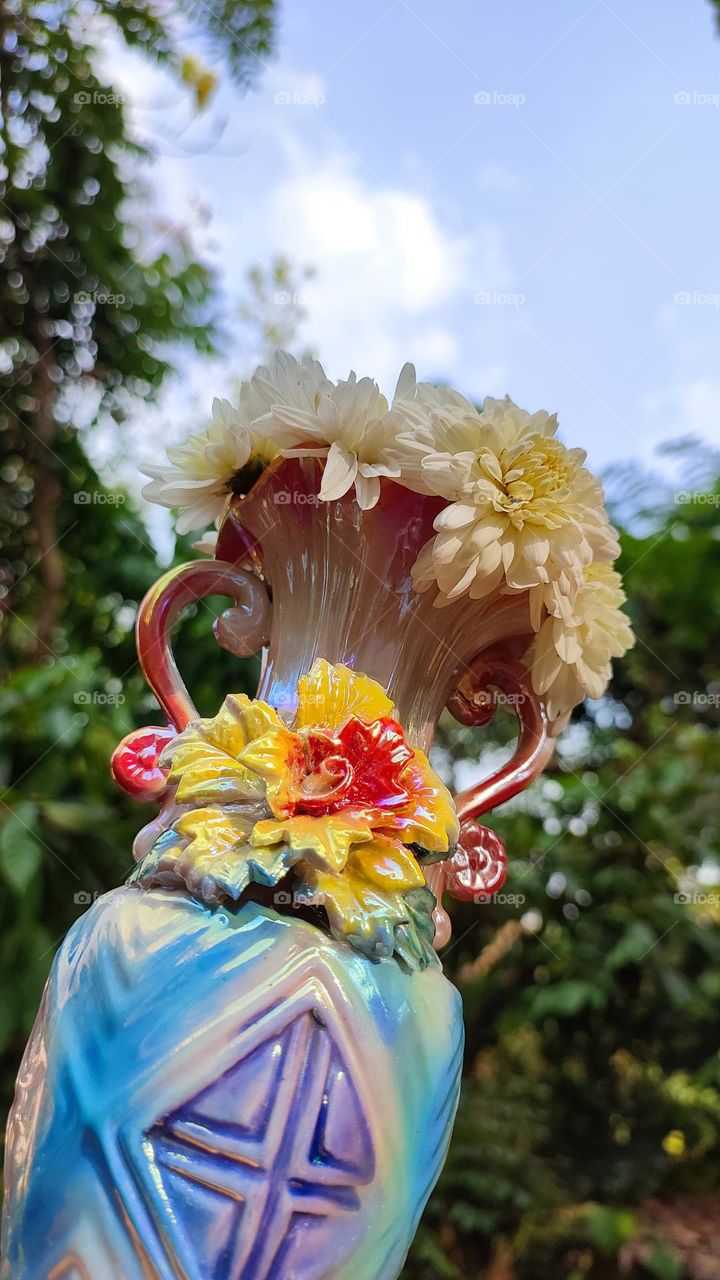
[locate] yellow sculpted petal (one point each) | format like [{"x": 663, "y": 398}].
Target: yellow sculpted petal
[
  {"x": 329, "y": 695},
  {"x": 366, "y": 903},
  {"x": 279, "y": 758},
  {"x": 204, "y": 760},
  {"x": 386, "y": 864},
  {"x": 323, "y": 842},
  {"x": 209, "y": 851},
  {"x": 429, "y": 817},
  {"x": 214, "y": 833}
]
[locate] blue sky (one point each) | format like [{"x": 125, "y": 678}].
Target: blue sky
[{"x": 521, "y": 198}]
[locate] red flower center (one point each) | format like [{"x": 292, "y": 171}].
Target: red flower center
[{"x": 361, "y": 767}]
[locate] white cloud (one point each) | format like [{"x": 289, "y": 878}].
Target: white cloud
[
  {"x": 385, "y": 267},
  {"x": 388, "y": 241},
  {"x": 277, "y": 179},
  {"x": 275, "y": 176}
]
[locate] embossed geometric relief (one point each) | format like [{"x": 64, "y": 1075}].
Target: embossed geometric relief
[{"x": 256, "y": 1166}]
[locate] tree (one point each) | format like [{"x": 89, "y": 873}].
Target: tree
[
  {"x": 90, "y": 299},
  {"x": 97, "y": 295}
]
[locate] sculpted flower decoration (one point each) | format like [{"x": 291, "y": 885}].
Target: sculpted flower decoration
[{"x": 340, "y": 799}]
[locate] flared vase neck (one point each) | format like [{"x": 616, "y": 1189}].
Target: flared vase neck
[{"x": 342, "y": 589}]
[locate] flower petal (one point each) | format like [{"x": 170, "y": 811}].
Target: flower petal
[
  {"x": 387, "y": 864},
  {"x": 367, "y": 491},
  {"x": 323, "y": 842},
  {"x": 329, "y": 695},
  {"x": 429, "y": 818},
  {"x": 279, "y": 758},
  {"x": 377, "y": 917},
  {"x": 340, "y": 471},
  {"x": 203, "y": 759},
  {"x": 208, "y": 851}
]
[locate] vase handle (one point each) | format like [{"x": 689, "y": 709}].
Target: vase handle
[
  {"x": 477, "y": 868},
  {"x": 243, "y": 629},
  {"x": 473, "y": 702}
]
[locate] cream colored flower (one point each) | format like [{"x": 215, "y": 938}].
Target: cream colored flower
[
  {"x": 456, "y": 435},
  {"x": 355, "y": 430},
  {"x": 198, "y": 475},
  {"x": 425, "y": 406},
  {"x": 201, "y": 473},
  {"x": 571, "y": 656},
  {"x": 441, "y": 426},
  {"x": 523, "y": 511},
  {"x": 284, "y": 381}
]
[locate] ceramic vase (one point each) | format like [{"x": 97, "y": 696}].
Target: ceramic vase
[{"x": 219, "y": 1085}]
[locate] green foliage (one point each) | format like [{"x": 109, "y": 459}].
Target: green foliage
[
  {"x": 591, "y": 1003},
  {"x": 97, "y": 291},
  {"x": 98, "y": 296},
  {"x": 66, "y": 831},
  {"x": 274, "y": 308}
]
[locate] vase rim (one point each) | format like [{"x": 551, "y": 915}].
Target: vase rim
[{"x": 301, "y": 478}]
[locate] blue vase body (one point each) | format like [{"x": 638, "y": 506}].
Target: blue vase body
[{"x": 226, "y": 1095}]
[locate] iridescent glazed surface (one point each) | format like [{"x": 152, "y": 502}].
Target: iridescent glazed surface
[
  {"x": 342, "y": 589},
  {"x": 214, "y": 1091},
  {"x": 338, "y": 807},
  {"x": 226, "y": 1095}
]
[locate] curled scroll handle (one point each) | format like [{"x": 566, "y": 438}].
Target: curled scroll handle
[
  {"x": 477, "y": 868},
  {"x": 243, "y": 630}
]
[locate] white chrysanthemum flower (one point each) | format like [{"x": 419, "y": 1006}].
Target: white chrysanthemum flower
[
  {"x": 355, "y": 430},
  {"x": 199, "y": 474},
  {"x": 523, "y": 511},
  {"x": 422, "y": 402},
  {"x": 438, "y": 423},
  {"x": 456, "y": 434},
  {"x": 285, "y": 381},
  {"x": 571, "y": 655}
]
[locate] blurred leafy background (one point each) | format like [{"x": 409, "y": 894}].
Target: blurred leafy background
[{"x": 588, "y": 1143}]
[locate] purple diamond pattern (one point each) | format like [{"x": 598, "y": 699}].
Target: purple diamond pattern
[{"x": 255, "y": 1165}]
